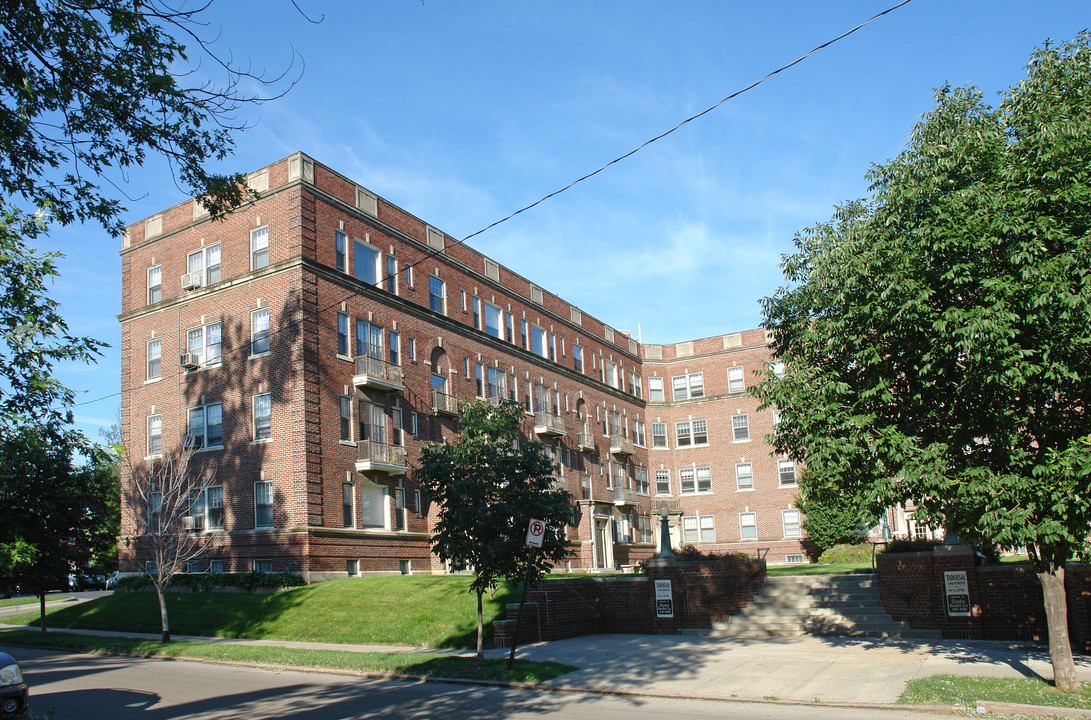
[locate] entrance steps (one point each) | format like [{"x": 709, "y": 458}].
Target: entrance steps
[{"x": 845, "y": 605}]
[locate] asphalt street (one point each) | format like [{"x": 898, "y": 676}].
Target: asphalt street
[{"x": 83, "y": 687}]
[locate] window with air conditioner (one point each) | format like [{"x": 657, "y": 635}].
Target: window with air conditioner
[
  {"x": 203, "y": 266},
  {"x": 205, "y": 343}
]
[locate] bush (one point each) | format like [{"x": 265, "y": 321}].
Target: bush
[
  {"x": 845, "y": 554},
  {"x": 208, "y": 582},
  {"x": 904, "y": 546},
  {"x": 691, "y": 552}
]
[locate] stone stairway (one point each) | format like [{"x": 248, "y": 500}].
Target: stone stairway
[{"x": 846, "y": 605}]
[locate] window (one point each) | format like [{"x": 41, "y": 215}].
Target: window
[
  {"x": 391, "y": 274},
  {"x": 613, "y": 423},
  {"x": 577, "y": 358},
  {"x": 736, "y": 383},
  {"x": 263, "y": 507},
  {"x": 655, "y": 389},
  {"x": 155, "y": 284},
  {"x": 638, "y": 432},
  {"x": 372, "y": 420},
  {"x": 552, "y": 347},
  {"x": 365, "y": 262},
  {"x": 704, "y": 480},
  {"x": 610, "y": 375},
  {"x": 369, "y": 340},
  {"x": 346, "y": 418},
  {"x": 477, "y": 312},
  {"x": 494, "y": 321},
  {"x": 497, "y": 383},
  {"x": 748, "y": 526},
  {"x": 698, "y": 529},
  {"x": 634, "y": 385},
  {"x": 524, "y": 334},
  {"x": 259, "y": 248},
  {"x": 352, "y": 566},
  {"x": 342, "y": 334},
  {"x": 740, "y": 428},
  {"x": 263, "y": 566},
  {"x": 659, "y": 435},
  {"x": 479, "y": 380},
  {"x": 263, "y": 416},
  {"x": 511, "y": 328},
  {"x": 155, "y": 513},
  {"x": 347, "y": 514},
  {"x": 205, "y": 427},
  {"x": 411, "y": 347},
  {"x": 340, "y": 242},
  {"x": 204, "y": 342},
  {"x": 462, "y": 300},
  {"x": 695, "y": 480},
  {"x": 640, "y": 479},
  {"x": 395, "y": 348},
  {"x": 437, "y": 295},
  {"x": 155, "y": 434},
  {"x": 193, "y": 566},
  {"x": 155, "y": 358},
  {"x": 693, "y": 432},
  {"x": 662, "y": 482},
  {"x": 205, "y": 262},
  {"x": 409, "y": 276},
  {"x": 259, "y": 331},
  {"x": 790, "y": 520},
  {"x": 538, "y": 341},
  {"x": 786, "y": 469},
  {"x": 215, "y": 566},
  {"x": 688, "y": 386},
  {"x": 744, "y": 476},
  {"x": 208, "y": 504}
]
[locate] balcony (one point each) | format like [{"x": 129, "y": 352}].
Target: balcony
[
  {"x": 585, "y": 442},
  {"x": 620, "y": 445},
  {"x": 548, "y": 424},
  {"x": 381, "y": 457},
  {"x": 559, "y": 483},
  {"x": 444, "y": 404},
  {"x": 625, "y": 496},
  {"x": 377, "y": 374}
]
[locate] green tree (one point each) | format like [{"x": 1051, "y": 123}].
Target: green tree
[
  {"x": 830, "y": 517},
  {"x": 937, "y": 337},
  {"x": 53, "y": 510},
  {"x": 489, "y": 484}
]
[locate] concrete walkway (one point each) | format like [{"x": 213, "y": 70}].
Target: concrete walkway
[{"x": 824, "y": 669}]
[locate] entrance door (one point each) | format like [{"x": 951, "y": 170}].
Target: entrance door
[{"x": 604, "y": 544}]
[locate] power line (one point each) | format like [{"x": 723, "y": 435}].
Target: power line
[{"x": 433, "y": 253}]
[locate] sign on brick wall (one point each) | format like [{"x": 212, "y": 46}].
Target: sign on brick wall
[
  {"x": 957, "y": 591},
  {"x": 664, "y": 599}
]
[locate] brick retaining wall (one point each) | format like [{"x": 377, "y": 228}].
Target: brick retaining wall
[
  {"x": 572, "y": 607},
  {"x": 1005, "y": 601}
]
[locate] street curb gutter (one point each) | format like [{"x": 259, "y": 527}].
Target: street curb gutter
[{"x": 987, "y": 706}]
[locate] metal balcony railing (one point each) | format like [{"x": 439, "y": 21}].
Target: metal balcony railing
[
  {"x": 585, "y": 442},
  {"x": 444, "y": 404},
  {"x": 621, "y": 445},
  {"x": 625, "y": 496},
  {"x": 546, "y": 423},
  {"x": 373, "y": 455},
  {"x": 375, "y": 373}
]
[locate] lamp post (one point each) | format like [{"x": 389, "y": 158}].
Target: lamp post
[{"x": 664, "y": 532}]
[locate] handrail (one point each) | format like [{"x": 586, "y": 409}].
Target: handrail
[
  {"x": 761, "y": 559},
  {"x": 877, "y": 579}
]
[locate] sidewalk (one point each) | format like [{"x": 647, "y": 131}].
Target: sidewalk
[{"x": 824, "y": 669}]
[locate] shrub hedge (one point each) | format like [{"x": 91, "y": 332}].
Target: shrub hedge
[{"x": 211, "y": 582}]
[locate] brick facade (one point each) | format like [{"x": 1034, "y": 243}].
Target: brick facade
[{"x": 487, "y": 332}]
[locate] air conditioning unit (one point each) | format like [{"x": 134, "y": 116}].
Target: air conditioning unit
[
  {"x": 189, "y": 361},
  {"x": 191, "y": 281},
  {"x": 189, "y": 522}
]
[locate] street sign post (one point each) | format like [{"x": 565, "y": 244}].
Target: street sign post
[{"x": 535, "y": 533}]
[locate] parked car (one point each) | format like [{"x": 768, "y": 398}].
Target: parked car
[
  {"x": 88, "y": 581},
  {"x": 13, "y": 691},
  {"x": 111, "y": 582}
]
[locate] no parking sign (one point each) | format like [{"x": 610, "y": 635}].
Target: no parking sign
[{"x": 535, "y": 533}]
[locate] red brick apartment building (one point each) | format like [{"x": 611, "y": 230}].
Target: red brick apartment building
[{"x": 312, "y": 342}]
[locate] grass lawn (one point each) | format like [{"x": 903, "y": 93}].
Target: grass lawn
[
  {"x": 816, "y": 569},
  {"x": 30, "y": 600},
  {"x": 960, "y": 690},
  {"x": 442, "y": 613},
  {"x": 424, "y": 664}
]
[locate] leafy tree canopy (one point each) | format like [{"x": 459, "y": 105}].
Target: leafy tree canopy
[
  {"x": 937, "y": 336},
  {"x": 489, "y": 484}
]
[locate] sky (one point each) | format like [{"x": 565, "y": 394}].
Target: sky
[{"x": 461, "y": 113}]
